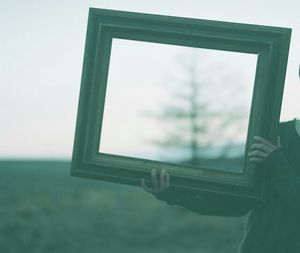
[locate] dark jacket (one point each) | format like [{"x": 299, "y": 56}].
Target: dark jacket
[{"x": 273, "y": 225}]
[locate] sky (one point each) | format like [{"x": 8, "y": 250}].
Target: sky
[{"x": 41, "y": 55}]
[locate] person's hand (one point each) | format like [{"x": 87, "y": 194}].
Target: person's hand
[
  {"x": 261, "y": 148},
  {"x": 157, "y": 185}
]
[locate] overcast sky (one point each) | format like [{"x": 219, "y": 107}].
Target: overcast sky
[
  {"x": 41, "y": 53},
  {"x": 144, "y": 78}
]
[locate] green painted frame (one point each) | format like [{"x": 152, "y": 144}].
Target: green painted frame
[{"x": 270, "y": 43}]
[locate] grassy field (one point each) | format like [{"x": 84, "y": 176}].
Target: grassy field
[{"x": 43, "y": 209}]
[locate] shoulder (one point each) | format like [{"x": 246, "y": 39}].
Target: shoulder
[
  {"x": 287, "y": 123},
  {"x": 286, "y": 126},
  {"x": 287, "y": 132}
]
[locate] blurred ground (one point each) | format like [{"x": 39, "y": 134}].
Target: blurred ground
[{"x": 44, "y": 209}]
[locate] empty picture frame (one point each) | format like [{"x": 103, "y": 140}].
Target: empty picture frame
[{"x": 183, "y": 94}]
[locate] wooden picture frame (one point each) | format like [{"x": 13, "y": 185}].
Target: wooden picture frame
[{"x": 271, "y": 44}]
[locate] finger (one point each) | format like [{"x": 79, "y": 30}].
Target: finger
[
  {"x": 262, "y": 147},
  {"x": 255, "y": 159},
  {"x": 146, "y": 187},
  {"x": 257, "y": 154},
  {"x": 264, "y": 141},
  {"x": 154, "y": 180},
  {"x": 162, "y": 180},
  {"x": 168, "y": 178}
]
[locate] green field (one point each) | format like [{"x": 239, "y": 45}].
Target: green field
[{"x": 44, "y": 209}]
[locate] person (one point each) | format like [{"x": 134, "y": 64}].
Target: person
[{"x": 273, "y": 225}]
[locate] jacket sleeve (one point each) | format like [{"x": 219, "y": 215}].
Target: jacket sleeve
[
  {"x": 284, "y": 182},
  {"x": 206, "y": 205}
]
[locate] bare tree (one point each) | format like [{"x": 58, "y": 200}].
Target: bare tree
[{"x": 196, "y": 122}]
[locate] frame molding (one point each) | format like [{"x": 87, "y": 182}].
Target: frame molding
[{"x": 270, "y": 43}]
